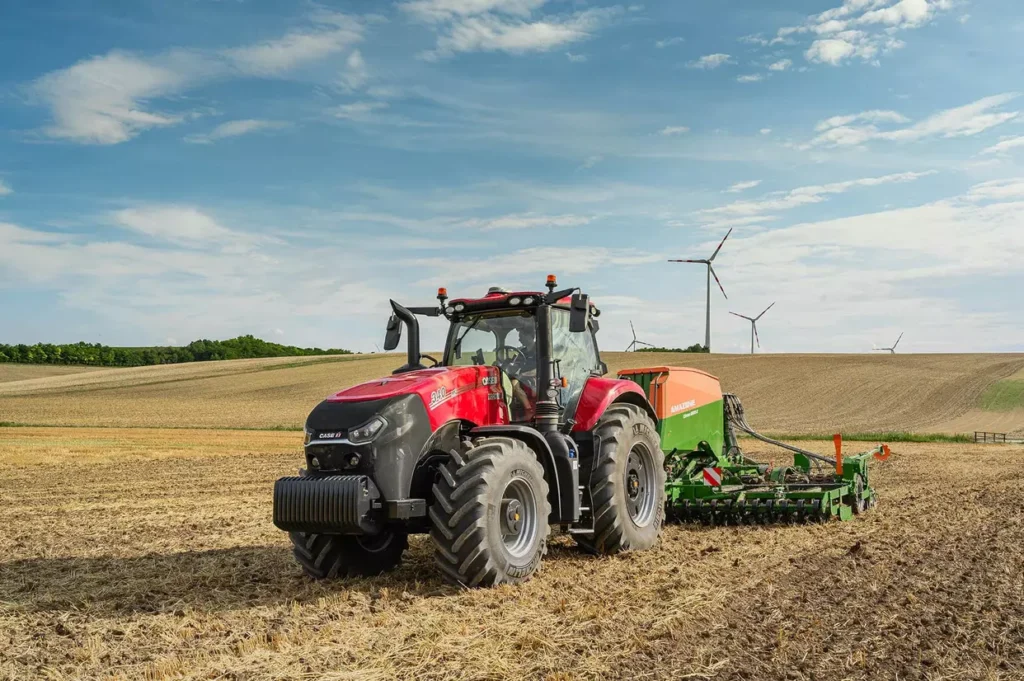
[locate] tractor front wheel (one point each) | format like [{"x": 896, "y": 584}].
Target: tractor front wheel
[
  {"x": 627, "y": 483},
  {"x": 326, "y": 556},
  {"x": 490, "y": 514}
]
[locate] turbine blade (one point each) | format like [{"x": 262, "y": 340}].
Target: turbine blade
[
  {"x": 702, "y": 262},
  {"x": 897, "y": 341},
  {"x": 632, "y": 329},
  {"x": 741, "y": 316},
  {"x": 766, "y": 311},
  {"x": 717, "y": 280},
  {"x": 715, "y": 254},
  {"x": 756, "y": 334}
]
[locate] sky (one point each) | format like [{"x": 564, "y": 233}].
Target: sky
[{"x": 204, "y": 168}]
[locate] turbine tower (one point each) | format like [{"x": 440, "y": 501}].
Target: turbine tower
[
  {"x": 711, "y": 273},
  {"x": 892, "y": 350},
  {"x": 632, "y": 346},
  {"x": 753, "y": 326}
]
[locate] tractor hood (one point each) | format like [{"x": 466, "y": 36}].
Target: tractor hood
[{"x": 471, "y": 393}]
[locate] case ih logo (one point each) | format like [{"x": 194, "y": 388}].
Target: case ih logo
[{"x": 332, "y": 435}]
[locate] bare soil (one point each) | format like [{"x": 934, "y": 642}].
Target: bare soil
[{"x": 149, "y": 554}]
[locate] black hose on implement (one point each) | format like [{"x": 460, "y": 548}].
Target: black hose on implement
[{"x": 735, "y": 415}]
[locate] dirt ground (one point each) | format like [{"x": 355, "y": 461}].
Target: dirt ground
[{"x": 149, "y": 554}]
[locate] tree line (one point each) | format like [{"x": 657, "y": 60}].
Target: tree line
[
  {"x": 696, "y": 347},
  {"x": 95, "y": 354}
]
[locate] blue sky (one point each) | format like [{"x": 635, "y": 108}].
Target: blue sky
[{"x": 170, "y": 171}]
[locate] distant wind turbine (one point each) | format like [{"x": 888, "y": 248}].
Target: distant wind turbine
[
  {"x": 892, "y": 350},
  {"x": 632, "y": 346},
  {"x": 711, "y": 273},
  {"x": 753, "y": 326}
]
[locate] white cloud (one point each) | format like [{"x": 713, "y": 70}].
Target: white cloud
[
  {"x": 674, "y": 130},
  {"x": 359, "y": 111},
  {"x": 107, "y": 99},
  {"x": 355, "y": 74},
  {"x": 234, "y": 129},
  {"x": 1010, "y": 188},
  {"x": 494, "y": 26},
  {"x": 780, "y": 65},
  {"x": 524, "y": 221},
  {"x": 668, "y": 42},
  {"x": 962, "y": 121},
  {"x": 100, "y": 100},
  {"x": 781, "y": 201},
  {"x": 4, "y": 189},
  {"x": 765, "y": 131},
  {"x": 750, "y": 78},
  {"x": 830, "y": 51},
  {"x": 1004, "y": 145},
  {"x": 274, "y": 57},
  {"x": 576, "y": 58},
  {"x": 742, "y": 186},
  {"x": 863, "y": 29},
  {"x": 873, "y": 116},
  {"x": 445, "y": 10},
  {"x": 183, "y": 225},
  {"x": 710, "y": 61},
  {"x": 591, "y": 161}
]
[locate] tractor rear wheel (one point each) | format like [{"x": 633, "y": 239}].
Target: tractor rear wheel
[
  {"x": 490, "y": 514},
  {"x": 326, "y": 556},
  {"x": 627, "y": 483}
]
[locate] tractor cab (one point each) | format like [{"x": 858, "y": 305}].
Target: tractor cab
[{"x": 502, "y": 330}]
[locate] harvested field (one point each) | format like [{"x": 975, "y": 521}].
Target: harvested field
[
  {"x": 25, "y": 372},
  {"x": 783, "y": 393},
  {"x": 150, "y": 554}
]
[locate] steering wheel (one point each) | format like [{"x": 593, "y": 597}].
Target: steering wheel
[{"x": 507, "y": 356}]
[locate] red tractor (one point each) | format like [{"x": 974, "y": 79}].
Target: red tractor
[{"x": 514, "y": 430}]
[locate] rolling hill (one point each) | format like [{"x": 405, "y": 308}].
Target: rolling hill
[{"x": 782, "y": 393}]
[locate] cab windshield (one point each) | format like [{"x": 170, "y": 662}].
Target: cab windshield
[{"x": 507, "y": 340}]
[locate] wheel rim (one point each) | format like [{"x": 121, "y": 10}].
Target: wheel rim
[
  {"x": 640, "y": 481},
  {"x": 518, "y": 518}
]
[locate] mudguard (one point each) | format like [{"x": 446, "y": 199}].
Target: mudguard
[{"x": 600, "y": 393}]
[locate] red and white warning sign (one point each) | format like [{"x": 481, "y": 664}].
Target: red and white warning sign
[{"x": 713, "y": 477}]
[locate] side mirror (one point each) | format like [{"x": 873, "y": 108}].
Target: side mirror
[
  {"x": 579, "y": 312},
  {"x": 394, "y": 333}
]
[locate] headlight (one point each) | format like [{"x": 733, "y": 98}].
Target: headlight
[
  {"x": 459, "y": 307},
  {"x": 514, "y": 300},
  {"x": 449, "y": 310},
  {"x": 367, "y": 431},
  {"x": 528, "y": 300},
  {"x": 308, "y": 436}
]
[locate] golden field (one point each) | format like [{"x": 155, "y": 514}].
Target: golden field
[
  {"x": 130, "y": 551},
  {"x": 782, "y": 393},
  {"x": 149, "y": 554}
]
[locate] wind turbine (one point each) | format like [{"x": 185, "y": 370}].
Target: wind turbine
[
  {"x": 711, "y": 273},
  {"x": 892, "y": 350},
  {"x": 753, "y": 326},
  {"x": 632, "y": 346}
]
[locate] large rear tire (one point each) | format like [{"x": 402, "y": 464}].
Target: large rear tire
[
  {"x": 326, "y": 556},
  {"x": 490, "y": 514},
  {"x": 627, "y": 483}
]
